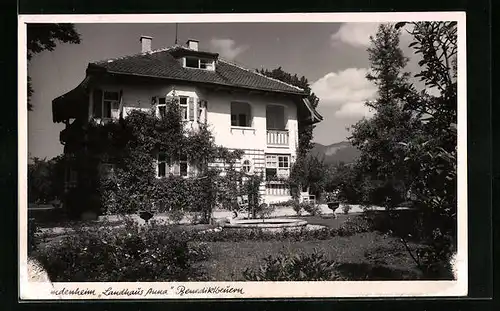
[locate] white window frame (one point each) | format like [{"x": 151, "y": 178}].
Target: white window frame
[
  {"x": 169, "y": 166},
  {"x": 159, "y": 105},
  {"x": 246, "y": 166},
  {"x": 112, "y": 103},
  {"x": 273, "y": 161},
  {"x": 167, "y": 163},
  {"x": 208, "y": 63},
  {"x": 184, "y": 116}
]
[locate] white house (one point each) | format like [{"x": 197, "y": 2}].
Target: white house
[{"x": 244, "y": 109}]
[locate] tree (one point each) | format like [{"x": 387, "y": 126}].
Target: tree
[
  {"x": 382, "y": 160},
  {"x": 410, "y": 143},
  {"x": 44, "y": 37},
  {"x": 305, "y": 131},
  {"x": 308, "y": 172},
  {"x": 432, "y": 155},
  {"x": 45, "y": 179}
]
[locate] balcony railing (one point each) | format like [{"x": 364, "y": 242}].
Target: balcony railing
[{"x": 277, "y": 137}]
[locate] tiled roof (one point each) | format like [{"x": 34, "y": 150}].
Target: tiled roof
[{"x": 161, "y": 64}]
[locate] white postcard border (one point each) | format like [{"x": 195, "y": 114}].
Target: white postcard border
[{"x": 44, "y": 291}]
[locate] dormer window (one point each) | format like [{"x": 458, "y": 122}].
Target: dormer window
[{"x": 199, "y": 63}]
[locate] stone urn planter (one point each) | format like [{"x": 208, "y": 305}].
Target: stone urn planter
[
  {"x": 145, "y": 215},
  {"x": 333, "y": 205}
]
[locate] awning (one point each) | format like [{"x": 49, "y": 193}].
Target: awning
[{"x": 72, "y": 104}]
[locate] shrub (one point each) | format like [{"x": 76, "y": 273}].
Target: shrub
[
  {"x": 299, "y": 267},
  {"x": 199, "y": 251},
  {"x": 131, "y": 253},
  {"x": 311, "y": 208},
  {"x": 355, "y": 225},
  {"x": 32, "y": 231},
  {"x": 283, "y": 204},
  {"x": 346, "y": 208},
  {"x": 297, "y": 207},
  {"x": 176, "y": 215},
  {"x": 358, "y": 224},
  {"x": 265, "y": 210}
]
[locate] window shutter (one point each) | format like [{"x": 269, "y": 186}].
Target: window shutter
[
  {"x": 97, "y": 103},
  {"x": 191, "y": 107},
  {"x": 154, "y": 100},
  {"x": 205, "y": 110},
  {"x": 176, "y": 168}
]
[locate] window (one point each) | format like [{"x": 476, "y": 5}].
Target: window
[
  {"x": 206, "y": 64},
  {"x": 183, "y": 164},
  {"x": 246, "y": 166},
  {"x": 241, "y": 114},
  {"x": 277, "y": 166},
  {"x": 192, "y": 62},
  {"x": 163, "y": 164},
  {"x": 105, "y": 104},
  {"x": 178, "y": 166},
  {"x": 275, "y": 117},
  {"x": 109, "y": 103},
  {"x": 199, "y": 63},
  {"x": 162, "y": 107},
  {"x": 183, "y": 105}
]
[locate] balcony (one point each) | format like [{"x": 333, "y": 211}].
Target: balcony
[{"x": 277, "y": 138}]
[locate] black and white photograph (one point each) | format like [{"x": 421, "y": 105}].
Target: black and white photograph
[{"x": 232, "y": 156}]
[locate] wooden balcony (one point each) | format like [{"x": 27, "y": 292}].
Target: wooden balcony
[{"x": 277, "y": 138}]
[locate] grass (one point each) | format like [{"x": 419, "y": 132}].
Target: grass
[
  {"x": 355, "y": 254},
  {"x": 362, "y": 256}
]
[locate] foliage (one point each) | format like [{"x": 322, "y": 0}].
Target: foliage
[
  {"x": 409, "y": 146},
  {"x": 132, "y": 145},
  {"x": 297, "y": 207},
  {"x": 347, "y": 182},
  {"x": 251, "y": 187},
  {"x": 44, "y": 37},
  {"x": 311, "y": 209},
  {"x": 305, "y": 131},
  {"x": 131, "y": 253},
  {"x": 45, "y": 179},
  {"x": 199, "y": 251},
  {"x": 307, "y": 172},
  {"x": 352, "y": 226},
  {"x": 346, "y": 208},
  {"x": 385, "y": 174},
  {"x": 300, "y": 267},
  {"x": 265, "y": 210},
  {"x": 176, "y": 216},
  {"x": 33, "y": 230}
]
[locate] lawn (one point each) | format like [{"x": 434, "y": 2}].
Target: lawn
[{"x": 361, "y": 256}]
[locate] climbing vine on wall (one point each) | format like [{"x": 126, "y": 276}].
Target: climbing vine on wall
[{"x": 131, "y": 145}]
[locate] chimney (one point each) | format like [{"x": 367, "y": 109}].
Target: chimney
[
  {"x": 146, "y": 43},
  {"x": 192, "y": 44}
]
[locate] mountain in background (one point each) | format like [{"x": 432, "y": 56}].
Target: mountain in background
[{"x": 335, "y": 153}]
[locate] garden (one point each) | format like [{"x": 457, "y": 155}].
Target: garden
[{"x": 397, "y": 204}]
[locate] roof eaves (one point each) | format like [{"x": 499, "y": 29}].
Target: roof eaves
[
  {"x": 259, "y": 74},
  {"x": 211, "y": 83},
  {"x": 316, "y": 117}
]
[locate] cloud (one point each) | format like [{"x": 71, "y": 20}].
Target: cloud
[
  {"x": 354, "y": 109},
  {"x": 227, "y": 48},
  {"x": 346, "y": 91},
  {"x": 355, "y": 34},
  {"x": 358, "y": 34}
]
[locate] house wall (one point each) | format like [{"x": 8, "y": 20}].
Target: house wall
[
  {"x": 252, "y": 140},
  {"x": 218, "y": 114}
]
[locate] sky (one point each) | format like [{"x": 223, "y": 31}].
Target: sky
[{"x": 332, "y": 56}]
